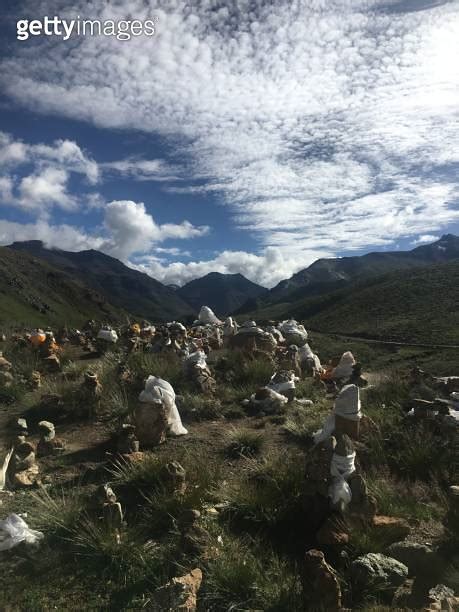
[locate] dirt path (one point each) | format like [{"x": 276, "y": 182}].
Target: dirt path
[{"x": 389, "y": 342}]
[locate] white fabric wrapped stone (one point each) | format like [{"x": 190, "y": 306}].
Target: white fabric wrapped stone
[
  {"x": 341, "y": 468},
  {"x": 229, "y": 327},
  {"x": 344, "y": 367},
  {"x": 305, "y": 353},
  {"x": 280, "y": 387},
  {"x": 208, "y": 317},
  {"x": 159, "y": 390},
  {"x": 109, "y": 335},
  {"x": 293, "y": 332},
  {"x": 198, "y": 358},
  {"x": 347, "y": 405}
]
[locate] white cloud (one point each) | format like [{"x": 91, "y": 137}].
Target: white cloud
[
  {"x": 128, "y": 230},
  {"x": 45, "y": 189},
  {"x": 53, "y": 236},
  {"x": 144, "y": 169},
  {"x": 133, "y": 230},
  {"x": 324, "y": 125},
  {"x": 266, "y": 269},
  {"x": 45, "y": 173},
  {"x": 425, "y": 239}
]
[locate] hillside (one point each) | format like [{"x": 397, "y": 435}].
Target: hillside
[
  {"x": 417, "y": 305},
  {"x": 123, "y": 287},
  {"x": 224, "y": 293},
  {"x": 33, "y": 293},
  {"x": 326, "y": 275}
]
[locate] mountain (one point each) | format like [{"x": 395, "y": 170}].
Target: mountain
[
  {"x": 134, "y": 291},
  {"x": 224, "y": 293},
  {"x": 415, "y": 305},
  {"x": 33, "y": 293},
  {"x": 326, "y": 275}
]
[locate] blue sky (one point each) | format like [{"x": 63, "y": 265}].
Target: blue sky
[{"x": 243, "y": 136}]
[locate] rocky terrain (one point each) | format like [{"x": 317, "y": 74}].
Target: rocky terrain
[{"x": 226, "y": 466}]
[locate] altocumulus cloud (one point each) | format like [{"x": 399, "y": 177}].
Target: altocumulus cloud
[{"x": 325, "y": 125}]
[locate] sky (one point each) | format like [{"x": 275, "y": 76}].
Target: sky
[{"x": 246, "y": 136}]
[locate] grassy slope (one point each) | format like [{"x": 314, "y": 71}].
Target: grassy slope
[
  {"x": 34, "y": 293},
  {"x": 417, "y": 305},
  {"x": 123, "y": 287}
]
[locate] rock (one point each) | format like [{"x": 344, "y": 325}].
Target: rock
[
  {"x": 321, "y": 590},
  {"x": 442, "y": 598},
  {"x": 377, "y": 569},
  {"x": 48, "y": 443},
  {"x": 347, "y": 411},
  {"x": 23, "y": 470},
  {"x": 194, "y": 539},
  {"x": 268, "y": 401},
  {"x": 151, "y": 423},
  {"x": 332, "y": 534},
  {"x": 362, "y": 503},
  {"x": 173, "y": 476},
  {"x": 178, "y": 595},
  {"x": 283, "y": 382},
  {"x": 391, "y": 528},
  {"x": 127, "y": 442},
  {"x": 419, "y": 558}
]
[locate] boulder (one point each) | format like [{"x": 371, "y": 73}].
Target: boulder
[
  {"x": 377, "y": 569},
  {"x": 418, "y": 558},
  {"x": 151, "y": 423},
  {"x": 391, "y": 528},
  {"x": 321, "y": 589},
  {"x": 178, "y": 595}
]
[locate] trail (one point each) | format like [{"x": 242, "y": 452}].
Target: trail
[{"x": 389, "y": 342}]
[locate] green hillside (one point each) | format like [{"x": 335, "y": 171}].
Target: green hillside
[
  {"x": 123, "y": 287},
  {"x": 33, "y": 293},
  {"x": 418, "y": 305}
]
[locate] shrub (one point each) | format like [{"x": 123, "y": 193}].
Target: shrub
[
  {"x": 266, "y": 494},
  {"x": 246, "y": 576},
  {"x": 406, "y": 500},
  {"x": 244, "y": 443}
]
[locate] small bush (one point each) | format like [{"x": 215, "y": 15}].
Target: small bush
[
  {"x": 303, "y": 421},
  {"x": 406, "y": 500},
  {"x": 266, "y": 494},
  {"x": 244, "y": 443},
  {"x": 245, "y": 576}
]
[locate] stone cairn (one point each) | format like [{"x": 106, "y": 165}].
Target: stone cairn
[
  {"x": 321, "y": 590},
  {"x": 48, "y": 443},
  {"x": 112, "y": 513},
  {"x": 91, "y": 393},
  {"x": 151, "y": 422},
  {"x": 23, "y": 470},
  {"x": 127, "y": 442},
  {"x": 6, "y": 377},
  {"x": 49, "y": 353}
]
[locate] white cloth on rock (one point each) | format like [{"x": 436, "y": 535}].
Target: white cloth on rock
[
  {"x": 14, "y": 530},
  {"x": 159, "y": 390},
  {"x": 305, "y": 352},
  {"x": 341, "y": 468},
  {"x": 344, "y": 367},
  {"x": 109, "y": 335},
  {"x": 293, "y": 332},
  {"x": 347, "y": 405},
  {"x": 198, "y": 358},
  {"x": 208, "y": 317},
  {"x": 282, "y": 386},
  {"x": 229, "y": 327}
]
